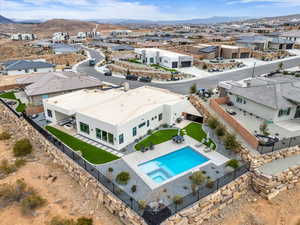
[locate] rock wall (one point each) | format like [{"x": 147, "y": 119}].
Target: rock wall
[
  {"x": 212, "y": 204},
  {"x": 270, "y": 186},
  {"x": 84, "y": 179}
]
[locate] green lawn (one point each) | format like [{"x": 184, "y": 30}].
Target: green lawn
[
  {"x": 89, "y": 152},
  {"x": 11, "y": 95},
  {"x": 157, "y": 138},
  {"x": 195, "y": 131},
  {"x": 134, "y": 61}
]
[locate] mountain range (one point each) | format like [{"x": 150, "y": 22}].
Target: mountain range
[{"x": 4, "y": 20}]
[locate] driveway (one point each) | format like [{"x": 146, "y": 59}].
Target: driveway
[{"x": 182, "y": 87}]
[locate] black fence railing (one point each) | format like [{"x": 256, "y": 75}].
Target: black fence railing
[
  {"x": 282, "y": 144},
  {"x": 151, "y": 217}
]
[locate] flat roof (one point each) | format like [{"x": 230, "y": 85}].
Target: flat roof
[
  {"x": 116, "y": 106},
  {"x": 162, "y": 52}
]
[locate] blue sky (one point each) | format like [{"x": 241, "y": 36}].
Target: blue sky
[{"x": 145, "y": 9}]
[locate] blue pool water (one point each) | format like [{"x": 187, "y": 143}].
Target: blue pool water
[{"x": 172, "y": 164}]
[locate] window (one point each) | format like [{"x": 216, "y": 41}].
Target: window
[
  {"x": 134, "y": 131},
  {"x": 148, "y": 123},
  {"x": 35, "y": 69},
  {"x": 49, "y": 113},
  {"x": 26, "y": 70},
  {"x": 121, "y": 138},
  {"x": 151, "y": 60},
  {"x": 104, "y": 135},
  {"x": 98, "y": 133},
  {"x": 160, "y": 117},
  {"x": 84, "y": 128},
  {"x": 110, "y": 138},
  {"x": 284, "y": 112},
  {"x": 240, "y": 100},
  {"x": 142, "y": 124}
]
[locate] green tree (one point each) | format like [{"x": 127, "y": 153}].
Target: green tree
[
  {"x": 264, "y": 128},
  {"x": 233, "y": 163},
  {"x": 177, "y": 199},
  {"x": 220, "y": 131},
  {"x": 123, "y": 178},
  {"x": 280, "y": 66},
  {"x": 213, "y": 123},
  {"x": 197, "y": 178},
  {"x": 231, "y": 143},
  {"x": 193, "y": 89}
]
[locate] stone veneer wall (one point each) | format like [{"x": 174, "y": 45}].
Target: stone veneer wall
[
  {"x": 84, "y": 179},
  {"x": 270, "y": 186},
  {"x": 212, "y": 204}
]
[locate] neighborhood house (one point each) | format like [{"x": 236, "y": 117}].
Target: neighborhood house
[
  {"x": 17, "y": 67},
  {"x": 117, "y": 117},
  {"x": 164, "y": 58}
]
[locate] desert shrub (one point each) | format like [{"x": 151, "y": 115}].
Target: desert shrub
[
  {"x": 84, "y": 221},
  {"x": 31, "y": 203},
  {"x": 20, "y": 162},
  {"x": 5, "y": 135},
  {"x": 6, "y": 168},
  {"x": 60, "y": 221},
  {"x": 233, "y": 163},
  {"x": 10, "y": 193},
  {"x": 123, "y": 178},
  {"x": 22, "y": 147}
]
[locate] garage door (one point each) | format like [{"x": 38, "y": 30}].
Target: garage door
[
  {"x": 186, "y": 64},
  {"x": 245, "y": 55}
]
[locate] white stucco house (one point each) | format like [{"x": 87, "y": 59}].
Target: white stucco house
[
  {"x": 17, "y": 67},
  {"x": 23, "y": 37},
  {"x": 163, "y": 58},
  {"x": 293, "y": 35},
  {"x": 116, "y": 117},
  {"x": 272, "y": 99}
]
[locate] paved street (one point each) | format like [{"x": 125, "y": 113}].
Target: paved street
[{"x": 183, "y": 87}]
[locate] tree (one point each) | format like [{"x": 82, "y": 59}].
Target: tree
[
  {"x": 196, "y": 178},
  {"x": 264, "y": 128},
  {"x": 231, "y": 143},
  {"x": 204, "y": 67},
  {"x": 220, "y": 131},
  {"x": 110, "y": 171},
  {"x": 233, "y": 163},
  {"x": 177, "y": 199},
  {"x": 123, "y": 178},
  {"x": 193, "y": 89},
  {"x": 128, "y": 72},
  {"x": 280, "y": 66},
  {"x": 213, "y": 123},
  {"x": 133, "y": 188}
]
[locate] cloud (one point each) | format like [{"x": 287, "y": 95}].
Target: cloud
[
  {"x": 280, "y": 3},
  {"x": 81, "y": 9}
]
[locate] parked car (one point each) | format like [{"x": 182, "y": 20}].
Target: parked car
[
  {"x": 231, "y": 112},
  {"x": 131, "y": 77},
  {"x": 34, "y": 116},
  {"x": 11, "y": 103},
  {"x": 107, "y": 72},
  {"x": 145, "y": 79}
]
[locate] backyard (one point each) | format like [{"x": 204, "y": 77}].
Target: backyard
[
  {"x": 193, "y": 130},
  {"x": 11, "y": 95},
  {"x": 89, "y": 152}
]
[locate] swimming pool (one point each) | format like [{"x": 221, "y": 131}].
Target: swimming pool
[{"x": 172, "y": 164}]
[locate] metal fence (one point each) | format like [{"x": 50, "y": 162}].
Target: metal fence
[
  {"x": 282, "y": 144},
  {"x": 151, "y": 217}
]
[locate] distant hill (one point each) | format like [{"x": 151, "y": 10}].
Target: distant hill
[
  {"x": 4, "y": 20},
  {"x": 209, "y": 20}
]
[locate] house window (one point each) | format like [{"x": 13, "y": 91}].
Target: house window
[
  {"x": 35, "y": 69},
  {"x": 110, "y": 138},
  {"x": 49, "y": 113},
  {"x": 142, "y": 124},
  {"x": 104, "y": 135},
  {"x": 151, "y": 60},
  {"x": 284, "y": 112},
  {"x": 26, "y": 70},
  {"x": 134, "y": 131},
  {"x": 240, "y": 100},
  {"x": 121, "y": 138},
  {"x": 160, "y": 117},
  {"x": 84, "y": 128},
  {"x": 148, "y": 123},
  {"x": 99, "y": 133}
]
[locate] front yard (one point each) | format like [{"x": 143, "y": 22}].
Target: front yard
[
  {"x": 11, "y": 95},
  {"x": 193, "y": 130},
  {"x": 89, "y": 152}
]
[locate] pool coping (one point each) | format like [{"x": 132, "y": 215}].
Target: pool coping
[{"x": 133, "y": 160}]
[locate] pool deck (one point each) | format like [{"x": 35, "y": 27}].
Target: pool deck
[{"x": 138, "y": 157}]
